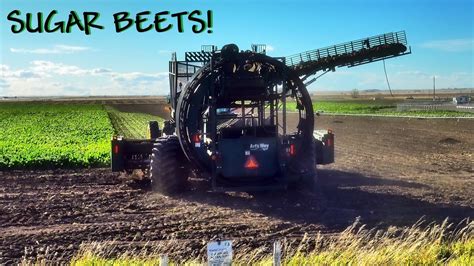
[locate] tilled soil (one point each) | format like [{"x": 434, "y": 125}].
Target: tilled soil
[{"x": 389, "y": 172}]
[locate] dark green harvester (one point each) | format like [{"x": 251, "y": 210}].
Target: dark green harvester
[{"x": 229, "y": 121}]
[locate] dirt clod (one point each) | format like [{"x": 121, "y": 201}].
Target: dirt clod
[{"x": 449, "y": 141}]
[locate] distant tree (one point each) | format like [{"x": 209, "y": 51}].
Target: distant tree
[{"x": 355, "y": 93}]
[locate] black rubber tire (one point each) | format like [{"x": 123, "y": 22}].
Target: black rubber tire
[{"x": 168, "y": 171}]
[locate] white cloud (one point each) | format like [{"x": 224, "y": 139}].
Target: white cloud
[
  {"x": 48, "y": 69},
  {"x": 4, "y": 68},
  {"x": 6, "y": 73},
  {"x": 45, "y": 78},
  {"x": 141, "y": 83},
  {"x": 98, "y": 71},
  {"x": 70, "y": 48},
  {"x": 57, "y": 49},
  {"x": 453, "y": 45},
  {"x": 3, "y": 83},
  {"x": 139, "y": 76}
]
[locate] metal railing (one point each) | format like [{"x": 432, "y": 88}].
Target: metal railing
[
  {"x": 347, "y": 48},
  {"x": 426, "y": 106},
  {"x": 352, "y": 53}
]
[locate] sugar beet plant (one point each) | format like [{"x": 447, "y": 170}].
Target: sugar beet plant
[{"x": 54, "y": 135}]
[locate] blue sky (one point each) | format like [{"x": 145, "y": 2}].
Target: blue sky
[{"x": 441, "y": 34}]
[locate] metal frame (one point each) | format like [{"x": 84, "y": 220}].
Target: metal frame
[{"x": 189, "y": 99}]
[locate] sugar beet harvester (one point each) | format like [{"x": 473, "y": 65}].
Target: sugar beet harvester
[{"x": 229, "y": 117}]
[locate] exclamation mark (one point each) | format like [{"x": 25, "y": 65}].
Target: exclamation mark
[{"x": 210, "y": 21}]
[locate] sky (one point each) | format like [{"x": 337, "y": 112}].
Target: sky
[{"x": 440, "y": 33}]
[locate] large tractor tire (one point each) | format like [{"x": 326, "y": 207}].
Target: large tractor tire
[{"x": 168, "y": 171}]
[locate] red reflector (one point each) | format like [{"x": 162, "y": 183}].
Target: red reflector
[
  {"x": 251, "y": 163},
  {"x": 196, "y": 138},
  {"x": 292, "y": 149},
  {"x": 116, "y": 149},
  {"x": 329, "y": 142}
]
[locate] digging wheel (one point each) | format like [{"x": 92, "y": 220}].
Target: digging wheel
[{"x": 168, "y": 172}]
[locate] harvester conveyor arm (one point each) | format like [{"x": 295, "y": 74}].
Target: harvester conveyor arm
[{"x": 349, "y": 54}]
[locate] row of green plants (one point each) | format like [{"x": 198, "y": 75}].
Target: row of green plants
[
  {"x": 375, "y": 108},
  {"x": 131, "y": 125}
]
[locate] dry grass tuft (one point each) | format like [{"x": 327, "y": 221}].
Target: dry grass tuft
[{"x": 420, "y": 244}]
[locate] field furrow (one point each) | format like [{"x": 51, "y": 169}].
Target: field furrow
[{"x": 131, "y": 125}]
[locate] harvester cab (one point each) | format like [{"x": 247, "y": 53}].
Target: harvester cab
[{"x": 244, "y": 120}]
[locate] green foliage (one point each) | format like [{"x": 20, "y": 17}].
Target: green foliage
[
  {"x": 53, "y": 135},
  {"x": 345, "y": 107},
  {"x": 131, "y": 125},
  {"x": 95, "y": 260},
  {"x": 350, "y": 107},
  {"x": 375, "y": 108},
  {"x": 432, "y": 113}
]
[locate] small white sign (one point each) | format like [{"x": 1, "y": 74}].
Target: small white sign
[
  {"x": 219, "y": 253},
  {"x": 164, "y": 260}
]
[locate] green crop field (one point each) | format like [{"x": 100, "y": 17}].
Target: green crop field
[
  {"x": 351, "y": 107},
  {"x": 375, "y": 108},
  {"x": 60, "y": 135},
  {"x": 42, "y": 135},
  {"x": 131, "y": 125}
]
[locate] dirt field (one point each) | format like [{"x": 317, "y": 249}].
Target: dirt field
[{"x": 389, "y": 171}]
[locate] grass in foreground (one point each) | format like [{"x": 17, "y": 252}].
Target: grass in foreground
[
  {"x": 436, "y": 244},
  {"x": 131, "y": 125},
  {"x": 376, "y": 108},
  {"x": 53, "y": 135}
]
